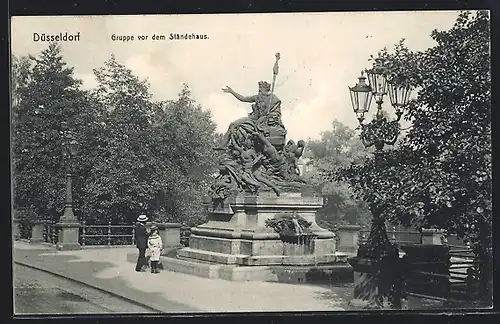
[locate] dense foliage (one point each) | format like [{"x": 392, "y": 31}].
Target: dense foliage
[
  {"x": 134, "y": 154},
  {"x": 335, "y": 149},
  {"x": 45, "y": 95},
  {"x": 441, "y": 174}
]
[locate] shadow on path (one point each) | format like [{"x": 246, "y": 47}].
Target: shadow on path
[
  {"x": 86, "y": 271},
  {"x": 339, "y": 294}
]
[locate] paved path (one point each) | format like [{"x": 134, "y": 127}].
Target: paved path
[
  {"x": 38, "y": 292},
  {"x": 113, "y": 270}
]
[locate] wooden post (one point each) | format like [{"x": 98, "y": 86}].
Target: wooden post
[
  {"x": 393, "y": 238},
  {"x": 109, "y": 233},
  {"x": 45, "y": 232},
  {"x": 49, "y": 231},
  {"x": 84, "y": 233},
  {"x": 362, "y": 240},
  {"x": 54, "y": 233}
]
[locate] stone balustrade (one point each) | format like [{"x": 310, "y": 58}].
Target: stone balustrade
[
  {"x": 433, "y": 236},
  {"x": 170, "y": 234},
  {"x": 348, "y": 238}
]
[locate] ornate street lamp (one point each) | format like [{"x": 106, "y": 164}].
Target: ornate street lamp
[
  {"x": 68, "y": 222},
  {"x": 375, "y": 289},
  {"x": 361, "y": 97}
]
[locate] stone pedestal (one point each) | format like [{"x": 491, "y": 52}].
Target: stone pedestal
[
  {"x": 37, "y": 232},
  {"x": 236, "y": 235},
  {"x": 432, "y": 236},
  {"x": 348, "y": 238},
  {"x": 16, "y": 231},
  {"x": 170, "y": 234},
  {"x": 68, "y": 236}
]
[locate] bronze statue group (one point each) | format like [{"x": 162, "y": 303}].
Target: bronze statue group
[{"x": 255, "y": 156}]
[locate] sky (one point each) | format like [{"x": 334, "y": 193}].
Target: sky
[{"x": 321, "y": 55}]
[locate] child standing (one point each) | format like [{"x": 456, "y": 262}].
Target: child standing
[{"x": 155, "y": 245}]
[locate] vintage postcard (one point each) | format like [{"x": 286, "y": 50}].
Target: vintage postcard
[{"x": 286, "y": 162}]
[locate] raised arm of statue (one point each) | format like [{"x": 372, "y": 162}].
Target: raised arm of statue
[{"x": 242, "y": 98}]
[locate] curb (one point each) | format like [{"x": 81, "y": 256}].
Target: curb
[{"x": 154, "y": 308}]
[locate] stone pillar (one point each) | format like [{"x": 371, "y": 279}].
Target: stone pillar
[
  {"x": 68, "y": 223},
  {"x": 37, "y": 232},
  {"x": 170, "y": 234},
  {"x": 432, "y": 236},
  {"x": 68, "y": 236},
  {"x": 16, "y": 231},
  {"x": 348, "y": 238}
]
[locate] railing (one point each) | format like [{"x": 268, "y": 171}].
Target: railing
[
  {"x": 91, "y": 235},
  {"x": 50, "y": 232},
  {"x": 447, "y": 278},
  {"x": 185, "y": 233},
  {"x": 94, "y": 234},
  {"x": 395, "y": 235},
  {"x": 107, "y": 234},
  {"x": 110, "y": 234}
]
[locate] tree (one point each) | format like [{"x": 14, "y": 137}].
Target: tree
[
  {"x": 440, "y": 175},
  {"x": 47, "y": 95},
  {"x": 20, "y": 75},
  {"x": 184, "y": 136},
  {"x": 336, "y": 148},
  {"x": 119, "y": 173},
  {"x": 144, "y": 156}
]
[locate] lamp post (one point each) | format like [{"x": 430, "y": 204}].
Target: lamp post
[
  {"x": 68, "y": 222},
  {"x": 69, "y": 150},
  {"x": 375, "y": 281}
]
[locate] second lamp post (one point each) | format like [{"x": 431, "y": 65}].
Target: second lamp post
[{"x": 374, "y": 280}]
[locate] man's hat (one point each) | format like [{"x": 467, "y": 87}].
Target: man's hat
[{"x": 142, "y": 218}]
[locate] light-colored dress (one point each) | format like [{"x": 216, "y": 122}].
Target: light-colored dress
[{"x": 155, "y": 245}]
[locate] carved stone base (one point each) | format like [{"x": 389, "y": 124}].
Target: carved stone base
[
  {"x": 248, "y": 260},
  {"x": 236, "y": 234},
  {"x": 270, "y": 273},
  {"x": 68, "y": 237}
]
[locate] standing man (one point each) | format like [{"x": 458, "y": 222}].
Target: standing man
[{"x": 141, "y": 239}]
